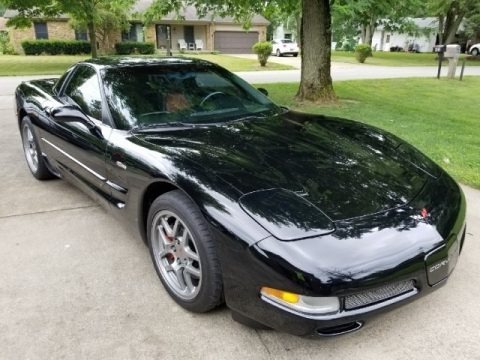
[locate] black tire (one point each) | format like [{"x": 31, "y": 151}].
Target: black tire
[
  {"x": 295, "y": 54},
  {"x": 39, "y": 167},
  {"x": 279, "y": 54},
  {"x": 210, "y": 289},
  {"x": 475, "y": 52}
]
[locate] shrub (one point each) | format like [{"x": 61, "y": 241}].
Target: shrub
[
  {"x": 134, "y": 47},
  {"x": 263, "y": 49},
  {"x": 362, "y": 51},
  {"x": 55, "y": 47}
]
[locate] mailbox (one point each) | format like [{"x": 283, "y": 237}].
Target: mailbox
[
  {"x": 439, "y": 48},
  {"x": 452, "y": 51}
]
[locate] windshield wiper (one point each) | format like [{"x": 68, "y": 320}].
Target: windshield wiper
[{"x": 162, "y": 125}]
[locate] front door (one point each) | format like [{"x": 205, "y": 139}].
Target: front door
[
  {"x": 189, "y": 35},
  {"x": 162, "y": 36},
  {"x": 77, "y": 152}
]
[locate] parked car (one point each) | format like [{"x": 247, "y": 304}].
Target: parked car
[
  {"x": 282, "y": 47},
  {"x": 304, "y": 223},
  {"x": 474, "y": 49}
]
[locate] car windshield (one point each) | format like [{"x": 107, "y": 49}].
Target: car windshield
[{"x": 180, "y": 94}]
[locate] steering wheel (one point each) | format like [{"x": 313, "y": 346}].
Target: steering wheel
[{"x": 215, "y": 93}]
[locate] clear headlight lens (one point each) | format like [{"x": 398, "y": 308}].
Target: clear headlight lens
[{"x": 312, "y": 305}]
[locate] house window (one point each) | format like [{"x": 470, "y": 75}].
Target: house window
[
  {"x": 41, "y": 30},
  {"x": 388, "y": 39},
  {"x": 81, "y": 35},
  {"x": 135, "y": 33}
]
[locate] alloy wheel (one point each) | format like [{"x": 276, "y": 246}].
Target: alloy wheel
[
  {"x": 176, "y": 255},
  {"x": 30, "y": 148}
]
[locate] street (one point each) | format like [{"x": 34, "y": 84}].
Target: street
[{"x": 76, "y": 284}]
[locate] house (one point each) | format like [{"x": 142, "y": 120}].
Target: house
[
  {"x": 187, "y": 30},
  {"x": 423, "y": 38}
]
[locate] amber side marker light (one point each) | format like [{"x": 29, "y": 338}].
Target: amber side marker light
[{"x": 301, "y": 304}]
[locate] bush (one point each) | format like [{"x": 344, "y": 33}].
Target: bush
[
  {"x": 134, "y": 47},
  {"x": 263, "y": 49},
  {"x": 56, "y": 47},
  {"x": 362, "y": 51}
]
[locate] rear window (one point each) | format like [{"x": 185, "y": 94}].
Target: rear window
[{"x": 287, "y": 41}]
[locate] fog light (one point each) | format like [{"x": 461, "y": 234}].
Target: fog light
[{"x": 310, "y": 305}]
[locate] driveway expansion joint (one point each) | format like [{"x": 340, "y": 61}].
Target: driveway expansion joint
[{"x": 49, "y": 211}]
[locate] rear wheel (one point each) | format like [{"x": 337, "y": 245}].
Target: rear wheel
[
  {"x": 183, "y": 252},
  {"x": 35, "y": 161}
]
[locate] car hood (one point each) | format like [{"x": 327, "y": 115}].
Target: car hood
[{"x": 344, "y": 168}]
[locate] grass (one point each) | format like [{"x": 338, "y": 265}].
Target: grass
[
  {"x": 396, "y": 59},
  {"x": 439, "y": 117},
  {"x": 55, "y": 65},
  {"x": 233, "y": 63}
]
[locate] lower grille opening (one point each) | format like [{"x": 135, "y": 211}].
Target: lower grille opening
[
  {"x": 340, "y": 329},
  {"x": 373, "y": 296}
]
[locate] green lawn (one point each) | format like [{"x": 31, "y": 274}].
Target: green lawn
[
  {"x": 441, "y": 118},
  {"x": 50, "y": 65},
  {"x": 396, "y": 59}
]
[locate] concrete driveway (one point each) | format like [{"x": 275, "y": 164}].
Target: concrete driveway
[{"x": 75, "y": 284}]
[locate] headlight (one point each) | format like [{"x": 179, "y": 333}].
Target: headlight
[{"x": 308, "y": 305}]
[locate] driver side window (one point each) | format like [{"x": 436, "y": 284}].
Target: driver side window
[{"x": 83, "y": 90}]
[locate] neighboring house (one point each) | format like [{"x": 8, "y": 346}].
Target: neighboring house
[
  {"x": 423, "y": 39},
  {"x": 57, "y": 28},
  {"x": 210, "y": 32},
  {"x": 283, "y": 32}
]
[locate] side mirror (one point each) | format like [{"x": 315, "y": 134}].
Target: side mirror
[
  {"x": 71, "y": 113},
  {"x": 263, "y": 91}
]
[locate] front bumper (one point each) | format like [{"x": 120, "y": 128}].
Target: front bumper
[{"x": 425, "y": 253}]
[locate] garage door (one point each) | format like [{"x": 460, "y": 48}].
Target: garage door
[{"x": 235, "y": 42}]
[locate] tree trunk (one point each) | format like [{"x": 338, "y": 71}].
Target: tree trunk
[
  {"x": 452, "y": 31},
  {"x": 370, "y": 29},
  {"x": 316, "y": 39},
  {"x": 441, "y": 20},
  {"x": 93, "y": 38}
]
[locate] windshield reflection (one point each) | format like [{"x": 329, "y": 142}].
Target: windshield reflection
[{"x": 149, "y": 96}]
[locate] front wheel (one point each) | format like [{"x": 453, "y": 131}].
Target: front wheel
[
  {"x": 35, "y": 161},
  {"x": 279, "y": 53},
  {"x": 475, "y": 52},
  {"x": 295, "y": 54},
  {"x": 184, "y": 253}
]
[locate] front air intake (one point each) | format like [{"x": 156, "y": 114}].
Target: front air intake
[{"x": 379, "y": 294}]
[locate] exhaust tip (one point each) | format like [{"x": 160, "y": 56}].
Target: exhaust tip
[{"x": 340, "y": 329}]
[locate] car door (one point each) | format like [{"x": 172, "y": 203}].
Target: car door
[{"x": 78, "y": 152}]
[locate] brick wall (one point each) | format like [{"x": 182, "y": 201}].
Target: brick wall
[{"x": 57, "y": 30}]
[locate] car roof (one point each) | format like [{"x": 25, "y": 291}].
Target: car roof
[{"x": 129, "y": 61}]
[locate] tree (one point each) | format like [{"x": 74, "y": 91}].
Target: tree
[
  {"x": 315, "y": 34},
  {"x": 366, "y": 15},
  {"x": 451, "y": 13},
  {"x": 89, "y": 13}
]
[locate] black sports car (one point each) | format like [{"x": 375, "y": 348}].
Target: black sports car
[{"x": 303, "y": 223}]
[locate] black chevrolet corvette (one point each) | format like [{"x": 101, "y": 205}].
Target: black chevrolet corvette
[{"x": 303, "y": 223}]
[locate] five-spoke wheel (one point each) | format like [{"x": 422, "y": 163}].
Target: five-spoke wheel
[
  {"x": 183, "y": 252},
  {"x": 176, "y": 254}
]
